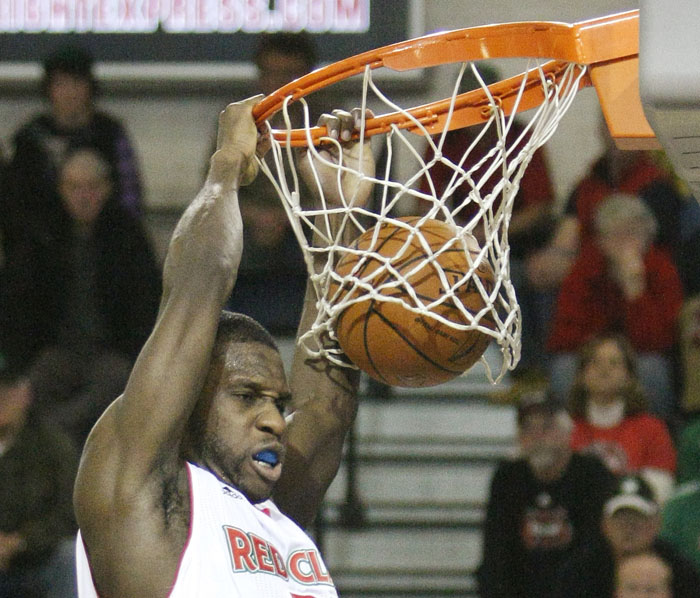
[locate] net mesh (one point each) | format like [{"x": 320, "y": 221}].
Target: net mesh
[{"x": 477, "y": 201}]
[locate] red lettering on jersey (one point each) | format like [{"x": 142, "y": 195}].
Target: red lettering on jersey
[
  {"x": 262, "y": 554},
  {"x": 278, "y": 562},
  {"x": 241, "y": 550},
  {"x": 300, "y": 568},
  {"x": 300, "y": 596},
  {"x": 321, "y": 574}
]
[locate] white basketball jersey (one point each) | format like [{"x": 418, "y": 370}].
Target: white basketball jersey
[{"x": 237, "y": 549}]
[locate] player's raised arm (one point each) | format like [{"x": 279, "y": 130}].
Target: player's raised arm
[
  {"x": 132, "y": 453},
  {"x": 324, "y": 395}
]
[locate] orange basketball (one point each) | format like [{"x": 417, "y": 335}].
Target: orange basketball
[{"x": 395, "y": 345}]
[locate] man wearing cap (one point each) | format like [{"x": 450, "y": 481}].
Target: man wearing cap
[
  {"x": 631, "y": 524},
  {"x": 541, "y": 505}
]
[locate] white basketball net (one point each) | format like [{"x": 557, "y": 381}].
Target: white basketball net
[{"x": 491, "y": 220}]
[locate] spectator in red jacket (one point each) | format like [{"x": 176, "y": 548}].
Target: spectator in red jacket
[
  {"x": 611, "y": 418},
  {"x": 620, "y": 283}
]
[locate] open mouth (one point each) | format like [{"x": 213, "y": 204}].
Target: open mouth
[
  {"x": 267, "y": 457},
  {"x": 268, "y": 464}
]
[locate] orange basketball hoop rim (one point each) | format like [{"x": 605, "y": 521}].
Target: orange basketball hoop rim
[{"x": 608, "y": 46}]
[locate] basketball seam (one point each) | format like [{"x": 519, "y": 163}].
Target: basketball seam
[{"x": 404, "y": 339}]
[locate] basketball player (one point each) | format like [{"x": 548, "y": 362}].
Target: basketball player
[{"x": 172, "y": 496}]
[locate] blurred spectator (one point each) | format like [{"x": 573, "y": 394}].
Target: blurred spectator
[
  {"x": 681, "y": 513},
  {"x": 618, "y": 171},
  {"x": 272, "y": 276},
  {"x": 532, "y": 217},
  {"x": 681, "y": 521},
  {"x": 689, "y": 452},
  {"x": 631, "y": 523},
  {"x": 644, "y": 575},
  {"x": 37, "y": 466},
  {"x": 611, "y": 417},
  {"x": 647, "y": 175},
  {"x": 622, "y": 283},
  {"x": 689, "y": 351},
  {"x": 282, "y": 57},
  {"x": 80, "y": 303},
  {"x": 32, "y": 200},
  {"x": 541, "y": 506}
]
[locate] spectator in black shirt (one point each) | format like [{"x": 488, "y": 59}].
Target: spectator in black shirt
[{"x": 541, "y": 505}]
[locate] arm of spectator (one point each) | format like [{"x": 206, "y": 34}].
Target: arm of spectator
[
  {"x": 547, "y": 268},
  {"x": 650, "y": 320},
  {"x": 57, "y": 521},
  {"x": 625, "y": 258},
  {"x": 661, "y": 480}
]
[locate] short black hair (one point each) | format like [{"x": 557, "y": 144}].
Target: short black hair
[
  {"x": 238, "y": 328},
  {"x": 235, "y": 328},
  {"x": 299, "y": 44},
  {"x": 72, "y": 60}
]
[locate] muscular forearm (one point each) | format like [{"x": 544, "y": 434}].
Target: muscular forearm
[
  {"x": 206, "y": 246},
  {"x": 324, "y": 408},
  {"x": 324, "y": 395}
]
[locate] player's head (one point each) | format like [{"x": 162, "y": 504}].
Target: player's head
[
  {"x": 282, "y": 57},
  {"x": 631, "y": 517},
  {"x": 68, "y": 81},
  {"x": 607, "y": 370},
  {"x": 544, "y": 433},
  {"x": 84, "y": 184},
  {"x": 237, "y": 427},
  {"x": 644, "y": 575}
]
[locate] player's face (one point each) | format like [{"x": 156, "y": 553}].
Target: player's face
[
  {"x": 606, "y": 374},
  {"x": 243, "y": 419}
]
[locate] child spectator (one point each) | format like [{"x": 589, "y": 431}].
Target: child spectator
[{"x": 272, "y": 275}]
